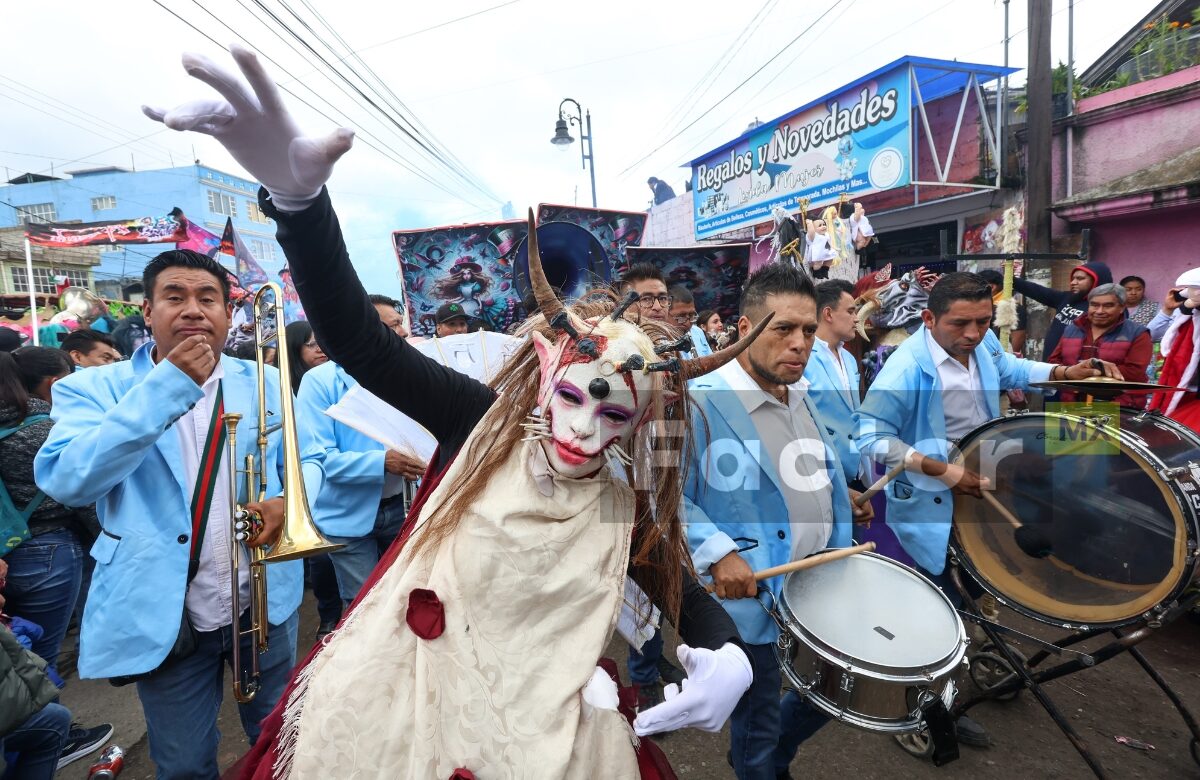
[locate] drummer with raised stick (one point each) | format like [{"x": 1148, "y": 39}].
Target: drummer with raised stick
[
  {"x": 765, "y": 488},
  {"x": 940, "y": 384}
]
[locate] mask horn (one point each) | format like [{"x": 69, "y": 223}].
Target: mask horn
[
  {"x": 690, "y": 369},
  {"x": 556, "y": 314}
]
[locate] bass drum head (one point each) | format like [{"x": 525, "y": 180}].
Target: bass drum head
[
  {"x": 1104, "y": 538},
  {"x": 875, "y": 614}
]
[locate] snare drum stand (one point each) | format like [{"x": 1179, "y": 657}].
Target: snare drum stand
[{"x": 1022, "y": 674}]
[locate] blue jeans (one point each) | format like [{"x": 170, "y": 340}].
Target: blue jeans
[
  {"x": 181, "y": 701},
  {"x": 643, "y": 666},
  {"x": 355, "y": 562},
  {"x": 765, "y": 731},
  {"x": 323, "y": 581},
  {"x": 44, "y": 573},
  {"x": 38, "y": 743}
]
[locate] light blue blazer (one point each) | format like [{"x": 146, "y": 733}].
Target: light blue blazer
[
  {"x": 353, "y": 463},
  {"x": 903, "y": 408},
  {"x": 834, "y": 411},
  {"x": 113, "y": 443},
  {"x": 749, "y": 504}
]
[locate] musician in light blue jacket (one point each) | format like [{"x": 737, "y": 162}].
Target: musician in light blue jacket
[
  {"x": 939, "y": 385},
  {"x": 832, "y": 373},
  {"x": 362, "y": 502},
  {"x": 764, "y": 489},
  {"x": 142, "y": 439}
]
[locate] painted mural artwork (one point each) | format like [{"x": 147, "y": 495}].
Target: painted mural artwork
[
  {"x": 714, "y": 274},
  {"x": 470, "y": 265},
  {"x": 146, "y": 230},
  {"x": 852, "y": 142},
  {"x": 617, "y": 231}
]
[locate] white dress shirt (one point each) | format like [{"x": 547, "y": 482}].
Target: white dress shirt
[
  {"x": 791, "y": 440},
  {"x": 849, "y": 393},
  {"x": 209, "y": 596},
  {"x": 962, "y": 392}
]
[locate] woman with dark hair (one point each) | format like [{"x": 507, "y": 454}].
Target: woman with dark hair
[
  {"x": 710, "y": 322},
  {"x": 304, "y": 353},
  {"x": 46, "y": 569}
]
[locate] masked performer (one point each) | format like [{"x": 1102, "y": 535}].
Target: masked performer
[{"x": 472, "y": 649}]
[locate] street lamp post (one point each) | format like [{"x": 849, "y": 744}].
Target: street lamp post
[{"x": 562, "y": 137}]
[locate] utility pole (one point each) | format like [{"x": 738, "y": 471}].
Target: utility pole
[{"x": 1039, "y": 118}]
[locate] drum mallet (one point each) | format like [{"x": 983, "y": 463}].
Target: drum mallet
[{"x": 1032, "y": 542}]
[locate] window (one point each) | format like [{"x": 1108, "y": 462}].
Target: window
[
  {"x": 43, "y": 280},
  {"x": 104, "y": 203},
  {"x": 255, "y": 213},
  {"x": 37, "y": 212},
  {"x": 263, "y": 251},
  {"x": 220, "y": 203},
  {"x": 74, "y": 278}
]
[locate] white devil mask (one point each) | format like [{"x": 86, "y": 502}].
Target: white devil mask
[
  {"x": 597, "y": 377},
  {"x": 589, "y": 407}
]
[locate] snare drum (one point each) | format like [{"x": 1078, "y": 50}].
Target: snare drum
[
  {"x": 869, "y": 642},
  {"x": 1111, "y": 502}
]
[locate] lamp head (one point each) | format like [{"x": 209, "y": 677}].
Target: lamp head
[{"x": 562, "y": 137}]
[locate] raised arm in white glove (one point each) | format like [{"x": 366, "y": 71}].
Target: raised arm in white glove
[
  {"x": 255, "y": 127},
  {"x": 716, "y": 680}
]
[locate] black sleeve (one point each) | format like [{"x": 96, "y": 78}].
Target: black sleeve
[
  {"x": 1043, "y": 295},
  {"x": 447, "y": 403},
  {"x": 703, "y": 622}
]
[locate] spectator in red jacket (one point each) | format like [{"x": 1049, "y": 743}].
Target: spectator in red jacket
[{"x": 1106, "y": 332}]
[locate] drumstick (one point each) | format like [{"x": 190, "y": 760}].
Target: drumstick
[
  {"x": 879, "y": 484},
  {"x": 813, "y": 560}
]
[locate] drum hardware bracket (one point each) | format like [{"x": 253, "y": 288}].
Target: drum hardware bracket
[{"x": 1084, "y": 658}]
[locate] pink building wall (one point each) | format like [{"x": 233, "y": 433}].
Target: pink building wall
[{"x": 1119, "y": 133}]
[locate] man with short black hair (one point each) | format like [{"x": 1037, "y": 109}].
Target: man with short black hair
[
  {"x": 663, "y": 192},
  {"x": 88, "y": 348},
  {"x": 451, "y": 319},
  {"x": 832, "y": 374},
  {"x": 651, "y": 286},
  {"x": 144, "y": 440},
  {"x": 939, "y": 385},
  {"x": 683, "y": 317},
  {"x": 391, "y": 313},
  {"x": 787, "y": 499},
  {"x": 943, "y": 382}
]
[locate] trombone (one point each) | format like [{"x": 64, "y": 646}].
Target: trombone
[{"x": 299, "y": 537}]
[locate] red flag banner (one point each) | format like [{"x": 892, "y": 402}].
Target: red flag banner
[{"x": 147, "y": 230}]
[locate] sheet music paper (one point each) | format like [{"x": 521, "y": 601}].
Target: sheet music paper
[{"x": 366, "y": 413}]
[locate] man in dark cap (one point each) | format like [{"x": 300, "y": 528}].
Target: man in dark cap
[{"x": 451, "y": 319}]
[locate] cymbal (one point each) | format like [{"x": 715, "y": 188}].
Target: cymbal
[{"x": 1105, "y": 387}]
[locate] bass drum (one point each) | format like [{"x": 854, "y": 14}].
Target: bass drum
[{"x": 1108, "y": 505}]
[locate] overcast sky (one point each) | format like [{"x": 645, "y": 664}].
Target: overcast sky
[{"x": 486, "y": 87}]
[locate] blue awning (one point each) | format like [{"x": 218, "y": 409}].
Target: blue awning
[{"x": 935, "y": 79}]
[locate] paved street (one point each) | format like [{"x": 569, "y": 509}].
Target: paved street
[{"x": 1114, "y": 699}]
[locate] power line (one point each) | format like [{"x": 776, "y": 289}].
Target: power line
[
  {"x": 366, "y": 137},
  {"x": 743, "y": 83},
  {"x": 396, "y": 103},
  {"x": 695, "y": 94}
]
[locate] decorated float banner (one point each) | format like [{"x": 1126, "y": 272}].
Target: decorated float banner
[
  {"x": 615, "y": 230},
  {"x": 147, "y": 230},
  {"x": 470, "y": 265},
  {"x": 855, "y": 141},
  {"x": 714, "y": 274}
]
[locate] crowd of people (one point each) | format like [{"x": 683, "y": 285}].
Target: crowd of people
[{"x": 464, "y": 612}]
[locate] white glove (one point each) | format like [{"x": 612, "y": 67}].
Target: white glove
[
  {"x": 716, "y": 680},
  {"x": 257, "y": 130}
]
